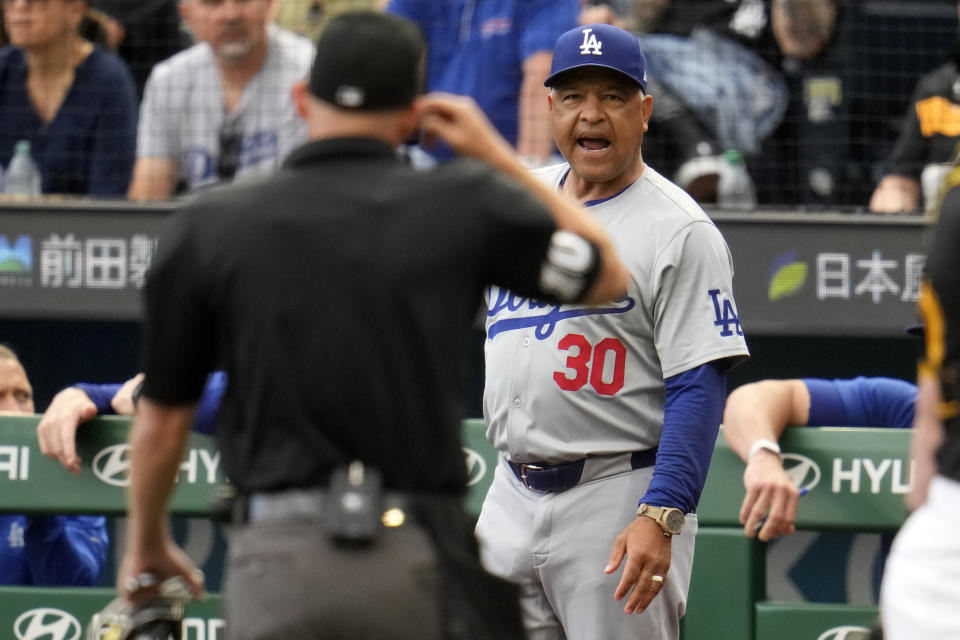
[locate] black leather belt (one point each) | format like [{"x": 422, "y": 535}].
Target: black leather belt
[
  {"x": 307, "y": 505},
  {"x": 541, "y": 476}
]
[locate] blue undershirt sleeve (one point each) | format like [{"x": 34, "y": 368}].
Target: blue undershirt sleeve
[
  {"x": 827, "y": 408},
  {"x": 877, "y": 402},
  {"x": 100, "y": 395},
  {"x": 691, "y": 421},
  {"x": 66, "y": 550},
  {"x": 206, "y": 415}
]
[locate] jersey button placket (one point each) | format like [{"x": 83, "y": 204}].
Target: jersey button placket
[{"x": 517, "y": 421}]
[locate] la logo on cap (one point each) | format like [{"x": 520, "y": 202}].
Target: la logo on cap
[{"x": 590, "y": 44}]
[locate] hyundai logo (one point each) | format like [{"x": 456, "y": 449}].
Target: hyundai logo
[
  {"x": 46, "y": 624},
  {"x": 802, "y": 471},
  {"x": 476, "y": 467},
  {"x": 846, "y": 632},
  {"x": 112, "y": 465}
]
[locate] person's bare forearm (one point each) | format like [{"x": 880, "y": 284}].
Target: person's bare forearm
[
  {"x": 762, "y": 410},
  {"x": 157, "y": 440},
  {"x": 534, "y": 136},
  {"x": 153, "y": 179}
]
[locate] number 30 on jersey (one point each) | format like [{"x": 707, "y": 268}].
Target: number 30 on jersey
[{"x": 601, "y": 365}]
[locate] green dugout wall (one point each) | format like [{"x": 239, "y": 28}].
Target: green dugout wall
[{"x": 856, "y": 481}]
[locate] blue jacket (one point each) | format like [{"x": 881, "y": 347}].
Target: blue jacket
[{"x": 52, "y": 551}]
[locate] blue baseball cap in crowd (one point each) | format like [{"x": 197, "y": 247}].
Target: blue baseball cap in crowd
[{"x": 599, "y": 45}]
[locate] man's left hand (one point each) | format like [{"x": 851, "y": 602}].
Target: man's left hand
[
  {"x": 647, "y": 550},
  {"x": 163, "y": 562}
]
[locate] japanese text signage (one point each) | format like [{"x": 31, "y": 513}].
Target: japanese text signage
[
  {"x": 817, "y": 274},
  {"x": 794, "y": 273},
  {"x": 74, "y": 262}
]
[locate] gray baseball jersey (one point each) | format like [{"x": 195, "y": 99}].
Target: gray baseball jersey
[
  {"x": 183, "y": 110},
  {"x": 567, "y": 381}
]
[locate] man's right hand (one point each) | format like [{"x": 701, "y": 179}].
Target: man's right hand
[
  {"x": 57, "y": 430},
  {"x": 770, "y": 493},
  {"x": 458, "y": 121},
  {"x": 895, "y": 194}
]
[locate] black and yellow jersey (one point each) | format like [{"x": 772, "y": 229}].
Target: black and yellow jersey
[{"x": 940, "y": 309}]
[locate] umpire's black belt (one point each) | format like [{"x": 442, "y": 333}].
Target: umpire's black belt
[
  {"x": 542, "y": 476},
  {"x": 302, "y": 505}
]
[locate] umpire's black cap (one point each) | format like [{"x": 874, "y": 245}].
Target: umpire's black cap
[{"x": 368, "y": 61}]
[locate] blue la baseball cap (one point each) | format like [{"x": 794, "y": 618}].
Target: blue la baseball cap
[{"x": 599, "y": 45}]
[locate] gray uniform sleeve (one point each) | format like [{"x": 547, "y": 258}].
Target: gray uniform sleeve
[
  {"x": 157, "y": 134},
  {"x": 695, "y": 315}
]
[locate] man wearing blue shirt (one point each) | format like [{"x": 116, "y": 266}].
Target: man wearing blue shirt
[
  {"x": 756, "y": 415},
  {"x": 499, "y": 54},
  {"x": 44, "y": 550}
]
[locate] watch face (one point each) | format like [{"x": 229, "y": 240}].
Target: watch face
[{"x": 675, "y": 519}]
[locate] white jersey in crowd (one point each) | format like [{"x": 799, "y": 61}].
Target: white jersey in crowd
[
  {"x": 567, "y": 381},
  {"x": 183, "y": 110}
]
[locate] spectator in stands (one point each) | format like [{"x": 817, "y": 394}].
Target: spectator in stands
[
  {"x": 72, "y": 100},
  {"x": 715, "y": 66},
  {"x": 82, "y": 402},
  {"x": 756, "y": 415},
  {"x": 499, "y": 54},
  {"x": 143, "y": 33},
  {"x": 309, "y": 17},
  {"x": 222, "y": 108},
  {"x": 44, "y": 550},
  {"x": 927, "y": 142}
]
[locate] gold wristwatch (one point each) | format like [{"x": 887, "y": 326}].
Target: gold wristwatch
[{"x": 670, "y": 519}]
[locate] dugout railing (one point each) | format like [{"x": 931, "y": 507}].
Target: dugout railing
[{"x": 856, "y": 480}]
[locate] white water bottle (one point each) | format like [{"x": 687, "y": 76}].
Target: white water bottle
[
  {"x": 23, "y": 176},
  {"x": 735, "y": 188}
]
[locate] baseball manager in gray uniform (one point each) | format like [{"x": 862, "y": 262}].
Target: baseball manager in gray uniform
[{"x": 606, "y": 417}]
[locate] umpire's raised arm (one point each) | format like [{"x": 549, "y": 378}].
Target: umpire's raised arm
[{"x": 459, "y": 122}]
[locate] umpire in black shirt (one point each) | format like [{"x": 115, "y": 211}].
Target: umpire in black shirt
[{"x": 338, "y": 295}]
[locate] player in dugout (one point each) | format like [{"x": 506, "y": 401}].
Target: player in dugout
[
  {"x": 52, "y": 550},
  {"x": 757, "y": 414}
]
